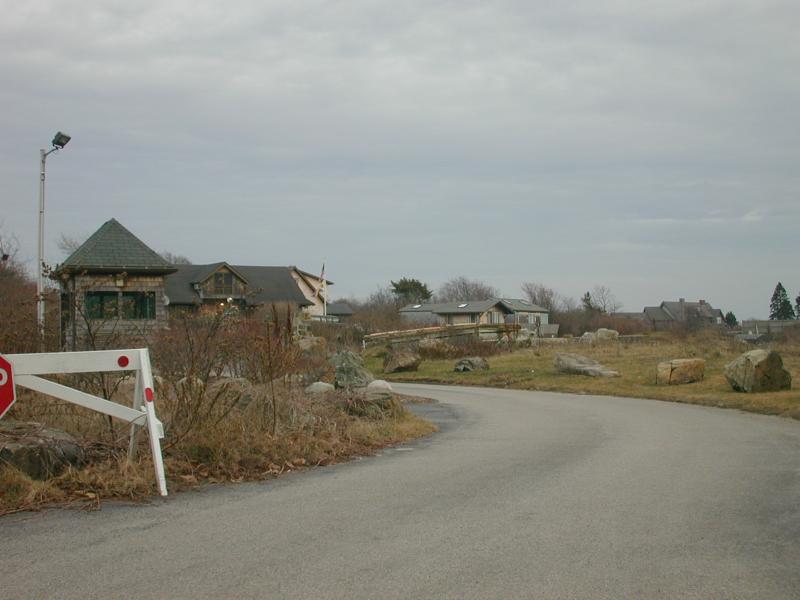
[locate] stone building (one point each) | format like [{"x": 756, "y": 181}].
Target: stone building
[{"x": 113, "y": 284}]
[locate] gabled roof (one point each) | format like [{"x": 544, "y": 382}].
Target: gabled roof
[
  {"x": 339, "y": 309},
  {"x": 265, "y": 285},
  {"x": 656, "y": 313},
  {"x": 307, "y": 274},
  {"x": 520, "y": 305},
  {"x": 113, "y": 249}
]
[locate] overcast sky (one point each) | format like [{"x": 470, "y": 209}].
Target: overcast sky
[{"x": 651, "y": 147}]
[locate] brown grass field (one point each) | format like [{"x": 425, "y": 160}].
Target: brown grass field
[{"x": 532, "y": 369}]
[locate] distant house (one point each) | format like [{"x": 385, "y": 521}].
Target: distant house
[
  {"x": 485, "y": 312},
  {"x": 691, "y": 315},
  {"x": 314, "y": 288},
  {"x": 339, "y": 310},
  {"x": 221, "y": 285},
  {"x": 112, "y": 283},
  {"x": 758, "y": 327}
]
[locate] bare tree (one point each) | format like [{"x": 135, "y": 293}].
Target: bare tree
[
  {"x": 463, "y": 289},
  {"x": 174, "y": 259},
  {"x": 543, "y": 296},
  {"x": 68, "y": 244},
  {"x": 604, "y": 300}
]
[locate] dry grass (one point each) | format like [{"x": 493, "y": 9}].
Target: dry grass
[
  {"x": 239, "y": 447},
  {"x": 533, "y": 369}
]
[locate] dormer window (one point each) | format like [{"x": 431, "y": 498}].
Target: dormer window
[{"x": 223, "y": 283}]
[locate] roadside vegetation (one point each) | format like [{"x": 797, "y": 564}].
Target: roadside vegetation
[
  {"x": 229, "y": 391},
  {"x": 532, "y": 369}
]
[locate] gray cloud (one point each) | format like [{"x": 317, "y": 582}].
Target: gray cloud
[{"x": 651, "y": 147}]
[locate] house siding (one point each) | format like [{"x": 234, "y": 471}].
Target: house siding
[{"x": 77, "y": 324}]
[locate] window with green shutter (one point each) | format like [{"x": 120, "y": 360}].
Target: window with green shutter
[
  {"x": 102, "y": 305},
  {"x": 138, "y": 305}
]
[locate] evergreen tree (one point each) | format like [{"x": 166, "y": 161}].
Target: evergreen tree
[
  {"x": 797, "y": 307},
  {"x": 411, "y": 290},
  {"x": 780, "y": 307},
  {"x": 730, "y": 319},
  {"x": 587, "y": 302}
]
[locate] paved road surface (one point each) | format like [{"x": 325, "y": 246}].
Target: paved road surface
[{"x": 522, "y": 495}]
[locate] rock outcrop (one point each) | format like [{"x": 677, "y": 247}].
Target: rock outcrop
[
  {"x": 38, "y": 451},
  {"x": 565, "y": 362},
  {"x": 471, "y": 363},
  {"x": 349, "y": 370},
  {"x": 680, "y": 371},
  {"x": 319, "y": 387},
  {"x": 401, "y": 359},
  {"x": 758, "y": 371}
]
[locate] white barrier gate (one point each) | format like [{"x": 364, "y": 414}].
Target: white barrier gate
[{"x": 26, "y": 367}]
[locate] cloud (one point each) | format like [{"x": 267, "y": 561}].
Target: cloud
[{"x": 440, "y": 137}]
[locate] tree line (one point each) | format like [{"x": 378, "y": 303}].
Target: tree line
[{"x": 780, "y": 306}]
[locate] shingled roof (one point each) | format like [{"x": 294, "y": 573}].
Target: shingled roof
[
  {"x": 265, "y": 285},
  {"x": 113, "y": 249}
]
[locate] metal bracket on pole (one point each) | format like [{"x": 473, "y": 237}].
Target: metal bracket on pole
[{"x": 143, "y": 413}]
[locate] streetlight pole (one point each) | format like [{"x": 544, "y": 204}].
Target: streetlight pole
[{"x": 59, "y": 141}]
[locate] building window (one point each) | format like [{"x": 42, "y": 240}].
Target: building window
[
  {"x": 128, "y": 305},
  {"x": 138, "y": 305},
  {"x": 473, "y": 318},
  {"x": 102, "y": 305},
  {"x": 223, "y": 283}
]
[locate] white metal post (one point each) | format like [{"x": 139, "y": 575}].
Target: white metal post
[{"x": 40, "y": 261}]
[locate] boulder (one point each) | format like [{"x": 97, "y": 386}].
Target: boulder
[
  {"x": 311, "y": 345},
  {"x": 380, "y": 392},
  {"x": 606, "y": 335},
  {"x": 565, "y": 362},
  {"x": 236, "y": 392},
  {"x": 320, "y": 387},
  {"x": 588, "y": 337},
  {"x": 680, "y": 371},
  {"x": 401, "y": 359},
  {"x": 38, "y": 451},
  {"x": 380, "y": 384},
  {"x": 471, "y": 363},
  {"x": 349, "y": 370},
  {"x": 758, "y": 371}
]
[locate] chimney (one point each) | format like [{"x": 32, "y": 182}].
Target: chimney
[
  {"x": 681, "y": 300},
  {"x": 702, "y": 301}
]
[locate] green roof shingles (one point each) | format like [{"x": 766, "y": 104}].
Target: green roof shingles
[{"x": 112, "y": 248}]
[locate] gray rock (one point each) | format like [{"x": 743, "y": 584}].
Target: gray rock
[
  {"x": 311, "y": 344},
  {"x": 606, "y": 335},
  {"x": 380, "y": 392},
  {"x": 758, "y": 371},
  {"x": 38, "y": 451},
  {"x": 401, "y": 359},
  {"x": 380, "y": 385},
  {"x": 565, "y": 362},
  {"x": 471, "y": 363},
  {"x": 680, "y": 371},
  {"x": 236, "y": 392},
  {"x": 349, "y": 370},
  {"x": 319, "y": 387}
]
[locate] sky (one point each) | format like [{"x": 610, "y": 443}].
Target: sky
[{"x": 650, "y": 147}]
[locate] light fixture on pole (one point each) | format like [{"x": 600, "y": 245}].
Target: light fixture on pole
[{"x": 59, "y": 141}]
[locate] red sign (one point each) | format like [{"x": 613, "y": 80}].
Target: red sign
[{"x": 7, "y": 392}]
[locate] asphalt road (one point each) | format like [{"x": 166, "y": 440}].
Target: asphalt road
[{"x": 521, "y": 495}]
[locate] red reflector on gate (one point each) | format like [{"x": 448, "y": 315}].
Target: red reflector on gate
[
  {"x": 148, "y": 394},
  {"x": 123, "y": 361}
]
